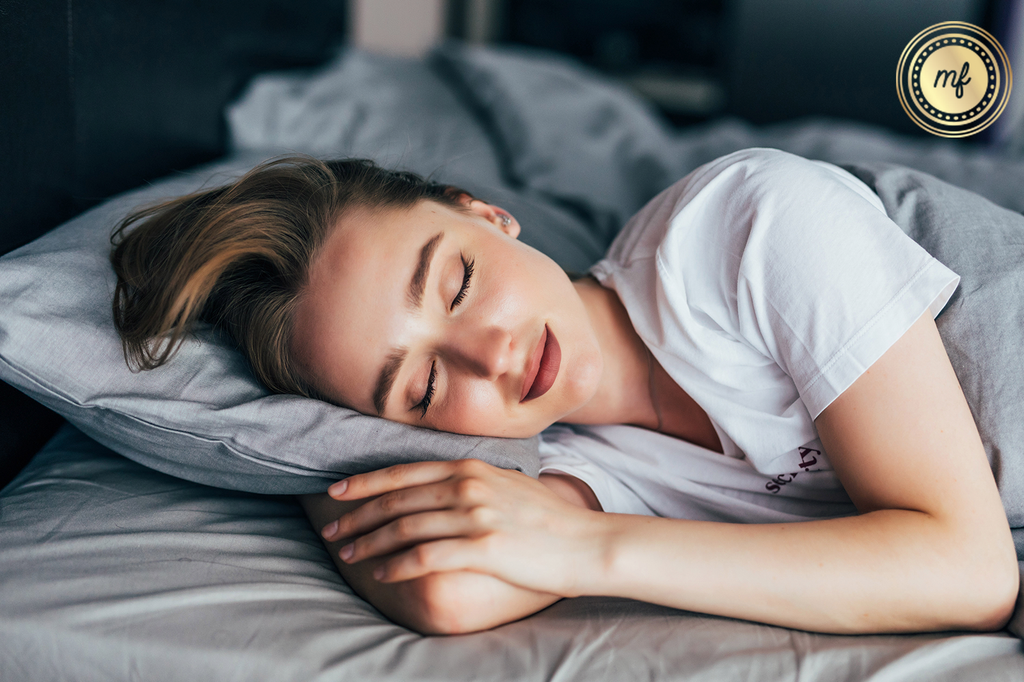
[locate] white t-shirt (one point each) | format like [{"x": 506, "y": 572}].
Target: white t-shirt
[{"x": 765, "y": 284}]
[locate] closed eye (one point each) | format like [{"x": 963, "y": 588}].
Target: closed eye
[
  {"x": 429, "y": 394},
  {"x": 467, "y": 275}
]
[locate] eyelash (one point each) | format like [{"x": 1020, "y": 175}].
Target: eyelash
[
  {"x": 467, "y": 276},
  {"x": 429, "y": 395}
]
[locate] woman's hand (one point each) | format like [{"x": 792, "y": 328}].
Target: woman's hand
[
  {"x": 468, "y": 515},
  {"x": 449, "y": 603}
]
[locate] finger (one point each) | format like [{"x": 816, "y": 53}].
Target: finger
[
  {"x": 464, "y": 490},
  {"x": 392, "y": 478},
  {"x": 438, "y": 556},
  {"x": 386, "y": 508},
  {"x": 412, "y": 530}
]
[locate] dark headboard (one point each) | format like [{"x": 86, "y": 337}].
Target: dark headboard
[{"x": 98, "y": 96}]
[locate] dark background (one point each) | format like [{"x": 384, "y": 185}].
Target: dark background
[
  {"x": 99, "y": 96},
  {"x": 773, "y": 59}
]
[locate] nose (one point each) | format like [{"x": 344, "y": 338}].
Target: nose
[{"x": 486, "y": 352}]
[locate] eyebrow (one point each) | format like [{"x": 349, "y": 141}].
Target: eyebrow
[
  {"x": 419, "y": 277},
  {"x": 387, "y": 379},
  {"x": 389, "y": 372}
]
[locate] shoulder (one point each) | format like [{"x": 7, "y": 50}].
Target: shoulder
[
  {"x": 750, "y": 178},
  {"x": 723, "y": 198}
]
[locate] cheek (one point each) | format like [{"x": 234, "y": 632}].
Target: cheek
[
  {"x": 474, "y": 408},
  {"x": 479, "y": 410},
  {"x": 524, "y": 279}
]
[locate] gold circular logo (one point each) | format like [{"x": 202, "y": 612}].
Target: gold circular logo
[{"x": 953, "y": 79}]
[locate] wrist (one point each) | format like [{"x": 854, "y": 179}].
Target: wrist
[{"x": 603, "y": 536}]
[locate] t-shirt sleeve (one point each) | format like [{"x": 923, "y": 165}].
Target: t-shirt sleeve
[
  {"x": 821, "y": 279},
  {"x": 564, "y": 452}
]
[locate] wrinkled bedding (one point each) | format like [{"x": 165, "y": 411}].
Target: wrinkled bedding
[{"x": 111, "y": 571}]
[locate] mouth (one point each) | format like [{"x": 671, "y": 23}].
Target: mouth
[{"x": 543, "y": 367}]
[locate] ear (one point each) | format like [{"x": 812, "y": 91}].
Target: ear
[{"x": 498, "y": 217}]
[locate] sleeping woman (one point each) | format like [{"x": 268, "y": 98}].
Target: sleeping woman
[{"x": 761, "y": 318}]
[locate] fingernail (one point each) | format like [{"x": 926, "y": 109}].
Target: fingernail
[
  {"x": 378, "y": 573},
  {"x": 329, "y": 530},
  {"x": 346, "y": 551},
  {"x": 338, "y": 489}
]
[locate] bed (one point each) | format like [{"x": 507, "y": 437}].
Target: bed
[{"x": 117, "y": 563}]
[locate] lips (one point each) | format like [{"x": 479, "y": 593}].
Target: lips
[{"x": 543, "y": 367}]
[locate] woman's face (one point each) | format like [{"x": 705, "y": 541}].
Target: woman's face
[{"x": 442, "y": 318}]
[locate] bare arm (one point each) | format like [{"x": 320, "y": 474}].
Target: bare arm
[
  {"x": 930, "y": 551},
  {"x": 442, "y": 603}
]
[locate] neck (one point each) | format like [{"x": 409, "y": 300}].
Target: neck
[{"x": 623, "y": 395}]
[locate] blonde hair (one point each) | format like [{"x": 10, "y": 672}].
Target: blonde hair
[{"x": 238, "y": 257}]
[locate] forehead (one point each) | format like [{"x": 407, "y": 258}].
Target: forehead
[{"x": 354, "y": 309}]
